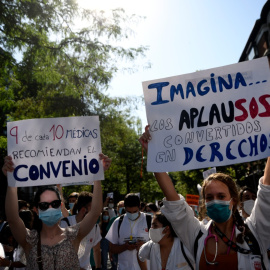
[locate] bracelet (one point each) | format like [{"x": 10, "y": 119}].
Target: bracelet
[{"x": 10, "y": 263}]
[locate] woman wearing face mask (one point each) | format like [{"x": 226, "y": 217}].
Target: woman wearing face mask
[
  {"x": 223, "y": 243},
  {"x": 165, "y": 250},
  {"x": 151, "y": 209},
  {"x": 104, "y": 243},
  {"x": 49, "y": 246},
  {"x": 247, "y": 200}
]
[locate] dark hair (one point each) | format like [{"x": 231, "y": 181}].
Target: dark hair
[
  {"x": 22, "y": 203},
  {"x": 27, "y": 217},
  {"x": 164, "y": 221},
  {"x": 152, "y": 206},
  {"x": 43, "y": 189},
  {"x": 246, "y": 188},
  {"x": 83, "y": 199},
  {"x": 132, "y": 200},
  {"x": 37, "y": 223}
]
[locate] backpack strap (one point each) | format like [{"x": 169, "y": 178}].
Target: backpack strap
[
  {"x": 66, "y": 220},
  {"x": 119, "y": 223},
  {"x": 196, "y": 243},
  {"x": 186, "y": 257},
  {"x": 148, "y": 220}
]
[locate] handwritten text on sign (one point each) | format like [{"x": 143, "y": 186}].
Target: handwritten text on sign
[
  {"x": 54, "y": 150},
  {"x": 209, "y": 118}
]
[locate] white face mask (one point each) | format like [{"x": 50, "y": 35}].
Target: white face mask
[
  {"x": 111, "y": 205},
  {"x": 156, "y": 234},
  {"x": 133, "y": 216},
  {"x": 248, "y": 206}
]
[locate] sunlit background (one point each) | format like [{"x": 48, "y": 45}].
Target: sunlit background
[{"x": 183, "y": 37}]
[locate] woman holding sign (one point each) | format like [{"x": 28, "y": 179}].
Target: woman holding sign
[
  {"x": 226, "y": 242},
  {"x": 50, "y": 246}
]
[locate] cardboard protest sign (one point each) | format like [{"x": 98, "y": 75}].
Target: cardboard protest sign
[
  {"x": 54, "y": 151},
  {"x": 110, "y": 195},
  {"x": 209, "y": 118},
  {"x": 192, "y": 199}
]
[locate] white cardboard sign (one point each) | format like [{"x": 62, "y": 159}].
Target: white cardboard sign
[
  {"x": 209, "y": 118},
  {"x": 53, "y": 151}
]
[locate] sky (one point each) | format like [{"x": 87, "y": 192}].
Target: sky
[{"x": 183, "y": 36}]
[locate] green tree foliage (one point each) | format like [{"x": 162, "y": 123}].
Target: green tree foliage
[
  {"x": 51, "y": 67},
  {"x": 57, "y": 60}
]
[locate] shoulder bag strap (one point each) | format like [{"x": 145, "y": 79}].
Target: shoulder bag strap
[
  {"x": 39, "y": 258},
  {"x": 186, "y": 257}
]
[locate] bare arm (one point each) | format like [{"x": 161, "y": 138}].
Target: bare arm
[
  {"x": 97, "y": 255},
  {"x": 11, "y": 207},
  {"x": 63, "y": 207},
  {"x": 163, "y": 179},
  {"x": 266, "y": 177},
  {"x": 91, "y": 218},
  {"x": 143, "y": 265},
  {"x": 116, "y": 249}
]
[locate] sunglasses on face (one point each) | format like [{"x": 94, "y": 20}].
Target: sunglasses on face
[{"x": 45, "y": 205}]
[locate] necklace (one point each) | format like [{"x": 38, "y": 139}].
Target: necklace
[
  {"x": 132, "y": 226},
  {"x": 229, "y": 242}
]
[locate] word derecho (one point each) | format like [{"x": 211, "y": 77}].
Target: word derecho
[{"x": 209, "y": 118}]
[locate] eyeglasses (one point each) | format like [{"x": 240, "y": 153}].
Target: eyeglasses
[{"x": 45, "y": 205}]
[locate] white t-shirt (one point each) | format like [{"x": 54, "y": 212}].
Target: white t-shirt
[
  {"x": 138, "y": 228},
  {"x": 112, "y": 212},
  {"x": 2, "y": 254},
  {"x": 88, "y": 242},
  {"x": 176, "y": 260}
]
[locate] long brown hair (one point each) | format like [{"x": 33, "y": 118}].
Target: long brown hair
[
  {"x": 229, "y": 182},
  {"x": 225, "y": 179}
]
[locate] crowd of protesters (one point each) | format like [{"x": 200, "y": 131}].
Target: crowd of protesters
[{"x": 231, "y": 230}]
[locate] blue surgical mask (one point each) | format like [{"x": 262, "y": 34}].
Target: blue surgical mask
[
  {"x": 71, "y": 205},
  {"x": 218, "y": 210},
  {"x": 133, "y": 216},
  {"x": 50, "y": 216},
  {"x": 105, "y": 218},
  {"x": 120, "y": 210}
]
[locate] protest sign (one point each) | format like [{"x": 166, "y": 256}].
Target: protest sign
[
  {"x": 209, "y": 118},
  {"x": 192, "y": 199},
  {"x": 110, "y": 195},
  {"x": 53, "y": 151},
  {"x": 209, "y": 172}
]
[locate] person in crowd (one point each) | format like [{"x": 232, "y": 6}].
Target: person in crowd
[
  {"x": 104, "y": 243},
  {"x": 49, "y": 246},
  {"x": 72, "y": 198},
  {"x": 247, "y": 200},
  {"x": 128, "y": 232},
  {"x": 151, "y": 208},
  {"x": 226, "y": 242},
  {"x": 142, "y": 206},
  {"x": 23, "y": 205},
  {"x": 109, "y": 203},
  {"x": 120, "y": 211},
  {"x": 81, "y": 207},
  {"x": 165, "y": 250}
]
